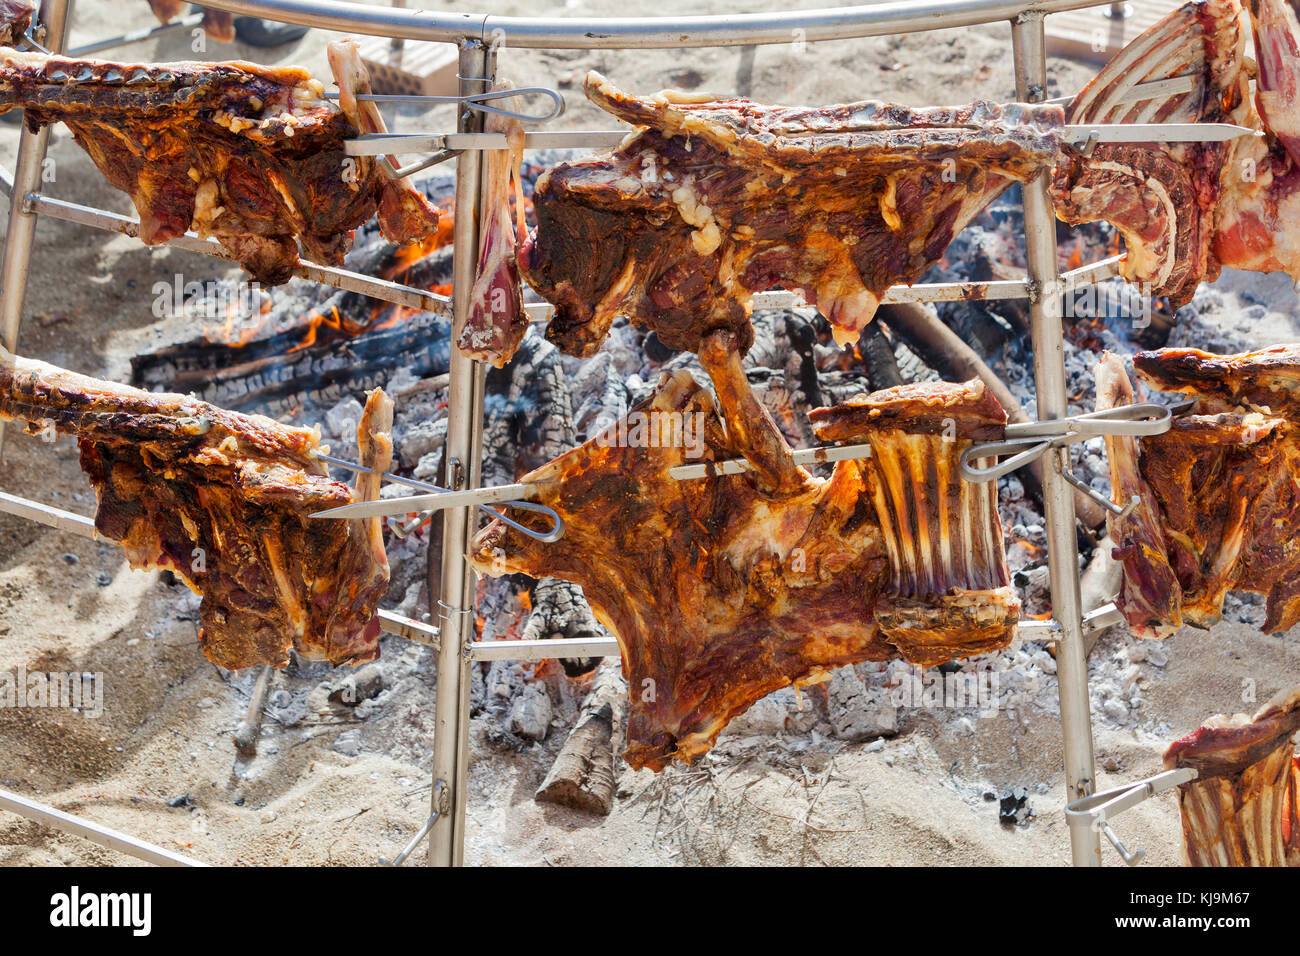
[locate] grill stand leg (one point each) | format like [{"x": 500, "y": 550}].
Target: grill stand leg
[
  {"x": 1028, "y": 42},
  {"x": 464, "y": 456},
  {"x": 53, "y": 16}
]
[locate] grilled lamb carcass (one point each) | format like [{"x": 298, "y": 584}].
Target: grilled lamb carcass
[
  {"x": 1241, "y": 809},
  {"x": 218, "y": 24},
  {"x": 712, "y": 200},
  {"x": 1162, "y": 196},
  {"x": 1186, "y": 210},
  {"x": 950, "y": 593},
  {"x": 250, "y": 155},
  {"x": 1224, "y": 488},
  {"x": 224, "y": 500},
  {"x": 719, "y": 590},
  {"x": 1150, "y": 596},
  {"x": 496, "y": 322},
  {"x": 15, "y": 19}
]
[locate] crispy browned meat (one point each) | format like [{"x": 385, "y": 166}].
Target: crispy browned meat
[
  {"x": 1240, "y": 810},
  {"x": 496, "y": 322},
  {"x": 1188, "y": 209},
  {"x": 950, "y": 593},
  {"x": 1150, "y": 595},
  {"x": 15, "y": 18},
  {"x": 719, "y": 590},
  {"x": 250, "y": 155},
  {"x": 218, "y": 24},
  {"x": 723, "y": 589},
  {"x": 1224, "y": 487},
  {"x": 715, "y": 199},
  {"x": 224, "y": 500}
]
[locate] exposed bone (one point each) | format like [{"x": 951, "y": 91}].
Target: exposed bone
[
  {"x": 921, "y": 328},
  {"x": 950, "y": 592},
  {"x": 1241, "y": 809},
  {"x": 1150, "y": 596}
]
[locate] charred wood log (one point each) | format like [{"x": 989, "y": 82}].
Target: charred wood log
[{"x": 584, "y": 775}]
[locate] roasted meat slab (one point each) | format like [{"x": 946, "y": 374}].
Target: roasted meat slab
[
  {"x": 950, "y": 591},
  {"x": 250, "y": 155},
  {"x": 1186, "y": 210},
  {"x": 712, "y": 200},
  {"x": 1150, "y": 595},
  {"x": 224, "y": 501},
  {"x": 496, "y": 322},
  {"x": 1221, "y": 491},
  {"x": 15, "y": 18},
  {"x": 1241, "y": 809},
  {"x": 723, "y": 589}
]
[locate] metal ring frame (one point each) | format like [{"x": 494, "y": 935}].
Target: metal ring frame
[{"x": 480, "y": 38}]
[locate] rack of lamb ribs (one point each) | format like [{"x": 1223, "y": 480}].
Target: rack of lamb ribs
[
  {"x": 714, "y": 199},
  {"x": 1220, "y": 490},
  {"x": 1186, "y": 210},
  {"x": 224, "y": 501},
  {"x": 249, "y": 155},
  {"x": 950, "y": 591},
  {"x": 723, "y": 589},
  {"x": 1241, "y": 810}
]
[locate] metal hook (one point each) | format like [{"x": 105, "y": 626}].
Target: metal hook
[{"x": 1119, "y": 511}]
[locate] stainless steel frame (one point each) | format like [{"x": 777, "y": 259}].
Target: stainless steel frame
[{"x": 448, "y": 576}]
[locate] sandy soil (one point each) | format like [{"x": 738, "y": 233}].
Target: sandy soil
[{"x": 67, "y": 604}]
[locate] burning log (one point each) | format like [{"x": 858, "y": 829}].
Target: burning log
[
  {"x": 944, "y": 349},
  {"x": 584, "y": 775},
  {"x": 950, "y": 593},
  {"x": 1241, "y": 809}
]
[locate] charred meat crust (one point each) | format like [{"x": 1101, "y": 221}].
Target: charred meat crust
[
  {"x": 224, "y": 501},
  {"x": 249, "y": 155},
  {"x": 721, "y": 591},
  {"x": 712, "y": 200}
]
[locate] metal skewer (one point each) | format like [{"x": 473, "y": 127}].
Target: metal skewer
[
  {"x": 475, "y": 101},
  {"x": 512, "y": 496}
]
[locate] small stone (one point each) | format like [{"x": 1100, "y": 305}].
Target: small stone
[
  {"x": 348, "y": 743},
  {"x": 530, "y": 714},
  {"x": 874, "y": 747},
  {"x": 70, "y": 558},
  {"x": 1115, "y": 709},
  {"x": 103, "y": 579}
]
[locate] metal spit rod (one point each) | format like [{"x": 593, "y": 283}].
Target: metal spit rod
[
  {"x": 92, "y": 831},
  {"x": 53, "y": 18},
  {"x": 1028, "y": 40},
  {"x": 647, "y": 33},
  {"x": 450, "y": 577}
]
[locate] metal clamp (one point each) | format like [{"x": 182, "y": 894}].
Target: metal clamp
[
  {"x": 1094, "y": 812},
  {"x": 1026, "y": 443},
  {"x": 473, "y": 101}
]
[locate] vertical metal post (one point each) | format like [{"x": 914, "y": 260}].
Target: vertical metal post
[
  {"x": 1028, "y": 42},
  {"x": 53, "y": 18},
  {"x": 463, "y": 457}
]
